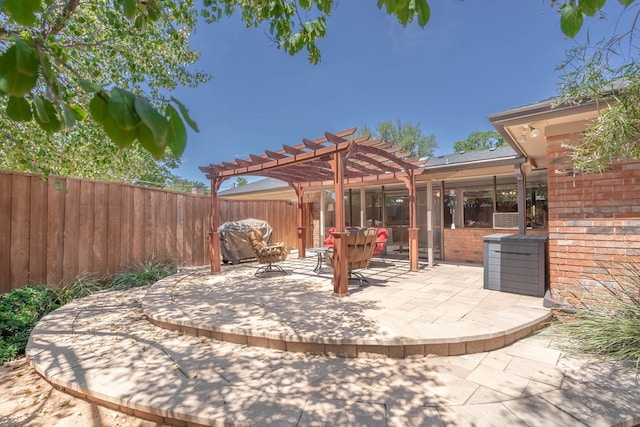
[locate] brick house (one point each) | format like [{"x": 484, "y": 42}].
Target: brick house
[
  {"x": 527, "y": 187},
  {"x": 593, "y": 219}
]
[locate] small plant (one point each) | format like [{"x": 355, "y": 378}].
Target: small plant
[
  {"x": 145, "y": 273},
  {"x": 79, "y": 287},
  {"x": 609, "y": 326},
  {"x": 20, "y": 310}
]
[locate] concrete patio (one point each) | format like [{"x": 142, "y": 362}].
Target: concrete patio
[{"x": 104, "y": 348}]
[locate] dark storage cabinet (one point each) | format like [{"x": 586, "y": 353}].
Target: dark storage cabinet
[{"x": 516, "y": 263}]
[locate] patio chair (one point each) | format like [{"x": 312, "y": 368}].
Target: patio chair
[
  {"x": 328, "y": 242},
  {"x": 266, "y": 254},
  {"x": 360, "y": 246},
  {"x": 381, "y": 242}
]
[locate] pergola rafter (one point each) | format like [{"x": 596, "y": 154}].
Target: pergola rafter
[{"x": 330, "y": 160}]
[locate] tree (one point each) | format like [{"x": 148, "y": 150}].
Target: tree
[
  {"x": 63, "y": 60},
  {"x": 240, "y": 181},
  {"x": 405, "y": 135},
  {"x": 479, "y": 140},
  {"x": 52, "y": 71},
  {"x": 75, "y": 42},
  {"x": 608, "y": 73}
]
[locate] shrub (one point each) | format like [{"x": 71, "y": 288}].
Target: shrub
[
  {"x": 609, "y": 326},
  {"x": 145, "y": 273},
  {"x": 20, "y": 310}
]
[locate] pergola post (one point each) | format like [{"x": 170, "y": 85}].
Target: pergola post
[
  {"x": 340, "y": 265},
  {"x": 214, "y": 234},
  {"x": 410, "y": 182},
  {"x": 299, "y": 189}
]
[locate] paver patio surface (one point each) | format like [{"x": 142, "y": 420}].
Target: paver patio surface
[{"x": 102, "y": 347}]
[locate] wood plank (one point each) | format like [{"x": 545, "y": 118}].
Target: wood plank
[
  {"x": 5, "y": 232},
  {"x": 198, "y": 227},
  {"x": 126, "y": 224},
  {"x": 150, "y": 216},
  {"x": 137, "y": 254},
  {"x": 160, "y": 230},
  {"x": 180, "y": 227},
  {"x": 55, "y": 229},
  {"x": 114, "y": 223},
  {"x": 20, "y": 215},
  {"x": 71, "y": 230},
  {"x": 189, "y": 233},
  {"x": 170, "y": 234},
  {"x": 87, "y": 232},
  {"x": 38, "y": 230},
  {"x": 101, "y": 228}
]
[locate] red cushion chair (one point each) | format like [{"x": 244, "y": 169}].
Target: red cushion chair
[
  {"x": 381, "y": 241},
  {"x": 328, "y": 242}
]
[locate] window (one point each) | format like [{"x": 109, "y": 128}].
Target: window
[{"x": 478, "y": 208}]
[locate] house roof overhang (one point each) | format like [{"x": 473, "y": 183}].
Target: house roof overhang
[{"x": 550, "y": 119}]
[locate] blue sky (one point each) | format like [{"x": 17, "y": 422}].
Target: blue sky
[{"x": 473, "y": 58}]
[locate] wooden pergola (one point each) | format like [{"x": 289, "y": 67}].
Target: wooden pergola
[{"x": 332, "y": 160}]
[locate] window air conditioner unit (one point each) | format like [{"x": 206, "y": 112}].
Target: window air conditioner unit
[{"x": 505, "y": 220}]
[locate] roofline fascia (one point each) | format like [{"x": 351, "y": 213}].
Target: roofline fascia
[{"x": 512, "y": 160}]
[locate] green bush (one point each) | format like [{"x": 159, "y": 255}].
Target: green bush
[
  {"x": 608, "y": 326},
  {"x": 20, "y": 310}
]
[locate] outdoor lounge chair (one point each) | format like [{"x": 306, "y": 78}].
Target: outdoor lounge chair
[
  {"x": 360, "y": 246},
  {"x": 266, "y": 254}
]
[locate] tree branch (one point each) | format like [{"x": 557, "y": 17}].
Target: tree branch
[{"x": 68, "y": 9}]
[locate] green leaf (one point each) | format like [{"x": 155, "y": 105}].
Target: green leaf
[
  {"x": 121, "y": 107},
  {"x": 591, "y": 7},
  {"x": 153, "y": 119},
  {"x": 78, "y": 112},
  {"x": 68, "y": 116},
  {"x": 99, "y": 106},
  {"x": 625, "y": 2},
  {"x": 305, "y": 4},
  {"x": 46, "y": 115},
  {"x": 89, "y": 87},
  {"x": 185, "y": 114},
  {"x": 130, "y": 8},
  {"x": 177, "y": 132},
  {"x": 41, "y": 111},
  {"x": 18, "y": 69},
  {"x": 424, "y": 12},
  {"x": 122, "y": 138},
  {"x": 23, "y": 11},
  {"x": 571, "y": 20},
  {"x": 148, "y": 142},
  {"x": 18, "y": 109}
]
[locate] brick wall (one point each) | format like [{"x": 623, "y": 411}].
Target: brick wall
[
  {"x": 466, "y": 244},
  {"x": 594, "y": 223}
]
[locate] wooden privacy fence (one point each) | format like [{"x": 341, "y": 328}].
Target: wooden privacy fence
[{"x": 54, "y": 229}]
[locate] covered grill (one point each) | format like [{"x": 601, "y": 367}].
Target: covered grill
[{"x": 234, "y": 244}]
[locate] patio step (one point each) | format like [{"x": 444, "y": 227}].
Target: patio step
[{"x": 442, "y": 311}]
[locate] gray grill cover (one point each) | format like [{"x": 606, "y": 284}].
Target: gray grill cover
[{"x": 234, "y": 245}]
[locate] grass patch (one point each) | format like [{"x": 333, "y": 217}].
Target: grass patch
[
  {"x": 608, "y": 325},
  {"x": 22, "y": 308}
]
